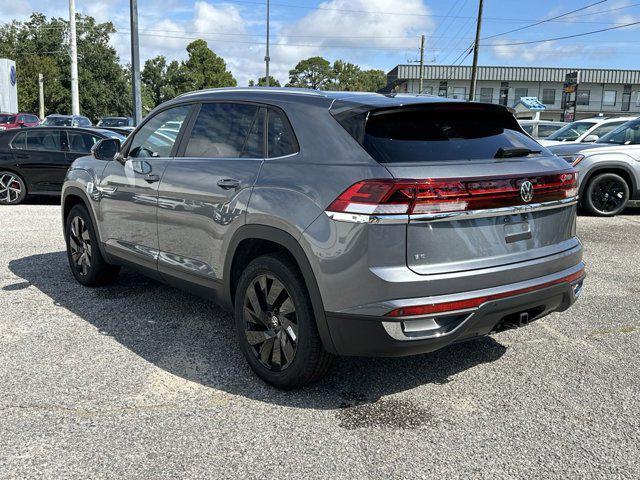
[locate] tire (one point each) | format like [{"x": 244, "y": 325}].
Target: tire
[
  {"x": 13, "y": 190},
  {"x": 606, "y": 195},
  {"x": 275, "y": 324},
  {"x": 85, "y": 259}
]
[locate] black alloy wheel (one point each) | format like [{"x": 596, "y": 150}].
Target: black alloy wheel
[
  {"x": 80, "y": 245},
  {"x": 85, "y": 258},
  {"x": 607, "y": 195},
  {"x": 12, "y": 188},
  {"x": 271, "y": 326},
  {"x": 276, "y": 325}
]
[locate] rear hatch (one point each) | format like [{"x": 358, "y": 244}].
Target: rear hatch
[{"x": 480, "y": 192}]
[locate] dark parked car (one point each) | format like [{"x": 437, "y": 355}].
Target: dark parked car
[
  {"x": 35, "y": 160},
  {"x": 333, "y": 223},
  {"x": 66, "y": 121},
  {"x": 115, "y": 122},
  {"x": 18, "y": 120}
]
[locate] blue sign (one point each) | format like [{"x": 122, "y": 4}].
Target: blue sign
[{"x": 12, "y": 75}]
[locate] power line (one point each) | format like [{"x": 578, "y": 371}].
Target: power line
[
  {"x": 545, "y": 21},
  {"x": 563, "y": 37}
]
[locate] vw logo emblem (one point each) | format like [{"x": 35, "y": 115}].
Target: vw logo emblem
[
  {"x": 12, "y": 76},
  {"x": 526, "y": 191}
]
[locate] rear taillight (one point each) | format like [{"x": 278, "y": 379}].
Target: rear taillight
[
  {"x": 475, "y": 302},
  {"x": 406, "y": 196}
]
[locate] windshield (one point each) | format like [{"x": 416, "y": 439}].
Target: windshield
[
  {"x": 57, "y": 121},
  {"x": 7, "y": 119},
  {"x": 626, "y": 134},
  {"x": 571, "y": 132},
  {"x": 113, "y": 122}
]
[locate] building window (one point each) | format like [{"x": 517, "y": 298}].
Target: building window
[
  {"x": 521, "y": 92},
  {"x": 428, "y": 90},
  {"x": 486, "y": 95},
  {"x": 549, "y": 96},
  {"x": 609, "y": 98},
  {"x": 459, "y": 93},
  {"x": 583, "y": 97}
]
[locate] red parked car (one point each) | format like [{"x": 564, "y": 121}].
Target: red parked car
[{"x": 17, "y": 120}]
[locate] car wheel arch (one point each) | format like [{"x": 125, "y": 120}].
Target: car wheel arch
[
  {"x": 273, "y": 239},
  {"x": 619, "y": 168},
  {"x": 75, "y": 196}
]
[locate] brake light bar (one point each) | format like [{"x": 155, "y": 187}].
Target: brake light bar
[
  {"x": 408, "y": 196},
  {"x": 466, "y": 304}
]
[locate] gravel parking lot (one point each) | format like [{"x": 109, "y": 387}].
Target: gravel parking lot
[{"x": 142, "y": 380}]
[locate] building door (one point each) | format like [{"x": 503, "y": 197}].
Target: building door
[{"x": 504, "y": 93}]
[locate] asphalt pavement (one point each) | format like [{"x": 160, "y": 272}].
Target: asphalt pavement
[{"x": 140, "y": 380}]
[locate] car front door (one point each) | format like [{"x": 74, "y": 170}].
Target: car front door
[
  {"x": 39, "y": 155},
  {"x": 128, "y": 188},
  {"x": 205, "y": 190}
]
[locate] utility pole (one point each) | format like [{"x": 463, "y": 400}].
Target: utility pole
[
  {"x": 41, "y": 95},
  {"x": 135, "y": 63},
  {"x": 75, "y": 96},
  {"x": 476, "y": 47},
  {"x": 420, "y": 88},
  {"x": 266, "y": 56}
]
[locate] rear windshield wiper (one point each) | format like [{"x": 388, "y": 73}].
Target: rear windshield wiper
[{"x": 514, "y": 152}]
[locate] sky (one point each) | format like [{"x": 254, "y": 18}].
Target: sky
[{"x": 372, "y": 33}]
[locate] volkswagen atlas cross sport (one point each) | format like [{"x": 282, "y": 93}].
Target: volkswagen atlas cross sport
[{"x": 333, "y": 223}]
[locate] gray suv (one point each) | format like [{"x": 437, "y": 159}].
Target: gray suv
[{"x": 333, "y": 223}]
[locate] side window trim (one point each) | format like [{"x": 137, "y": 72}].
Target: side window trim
[
  {"x": 184, "y": 140},
  {"x": 287, "y": 125},
  {"x": 127, "y": 144}
]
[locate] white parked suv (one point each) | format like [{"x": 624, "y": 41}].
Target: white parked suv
[{"x": 588, "y": 130}]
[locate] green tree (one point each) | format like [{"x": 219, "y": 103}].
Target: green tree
[
  {"x": 40, "y": 45},
  {"x": 314, "y": 72},
  {"x": 346, "y": 76},
  {"x": 262, "y": 82},
  {"x": 372, "y": 80},
  {"x": 205, "y": 69},
  {"x": 153, "y": 78}
]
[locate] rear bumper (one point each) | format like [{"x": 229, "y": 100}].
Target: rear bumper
[{"x": 366, "y": 335}]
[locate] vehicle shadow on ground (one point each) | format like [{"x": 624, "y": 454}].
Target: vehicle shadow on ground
[
  {"x": 41, "y": 200},
  {"x": 194, "y": 339}
]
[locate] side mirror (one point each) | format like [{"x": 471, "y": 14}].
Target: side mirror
[
  {"x": 20, "y": 123},
  {"x": 106, "y": 149},
  {"x": 591, "y": 138}
]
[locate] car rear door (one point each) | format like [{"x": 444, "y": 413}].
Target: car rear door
[
  {"x": 39, "y": 155},
  {"x": 128, "y": 188},
  {"x": 205, "y": 190},
  {"x": 78, "y": 143}
]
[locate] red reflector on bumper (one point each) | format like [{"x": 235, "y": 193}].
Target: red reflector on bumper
[{"x": 477, "y": 301}]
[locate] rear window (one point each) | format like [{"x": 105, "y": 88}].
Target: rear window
[
  {"x": 440, "y": 133},
  {"x": 7, "y": 119}
]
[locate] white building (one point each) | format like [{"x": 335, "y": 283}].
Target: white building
[
  {"x": 8, "y": 86},
  {"x": 601, "y": 91}
]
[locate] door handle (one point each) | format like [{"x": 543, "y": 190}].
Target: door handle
[
  {"x": 152, "y": 178},
  {"x": 228, "y": 183}
]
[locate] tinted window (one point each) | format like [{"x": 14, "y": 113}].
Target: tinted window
[
  {"x": 571, "y": 132},
  {"x": 113, "y": 122},
  {"x": 57, "y": 121},
  {"x": 81, "y": 142},
  {"x": 37, "y": 140},
  {"x": 83, "y": 122},
  {"x": 602, "y": 130},
  {"x": 627, "y": 134},
  {"x": 222, "y": 131},
  {"x": 7, "y": 119},
  {"x": 528, "y": 128},
  {"x": 254, "y": 146},
  {"x": 545, "y": 130},
  {"x": 31, "y": 119},
  {"x": 157, "y": 135},
  {"x": 444, "y": 133},
  {"x": 280, "y": 141}
]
